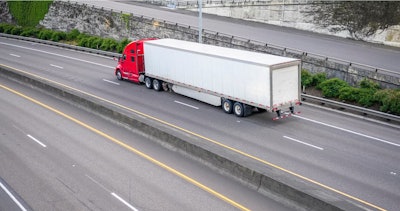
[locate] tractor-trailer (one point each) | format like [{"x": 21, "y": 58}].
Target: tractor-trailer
[{"x": 239, "y": 81}]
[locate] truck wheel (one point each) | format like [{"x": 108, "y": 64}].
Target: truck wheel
[
  {"x": 238, "y": 109},
  {"x": 227, "y": 106},
  {"x": 157, "y": 85},
  {"x": 148, "y": 82},
  {"x": 119, "y": 75}
]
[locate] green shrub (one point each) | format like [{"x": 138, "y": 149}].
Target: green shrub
[
  {"x": 73, "y": 34},
  {"x": 330, "y": 88},
  {"x": 349, "y": 94},
  {"x": 318, "y": 79},
  {"x": 366, "y": 97},
  {"x": 83, "y": 42},
  {"x": 95, "y": 42},
  {"x": 122, "y": 44},
  {"x": 369, "y": 84},
  {"x": 17, "y": 30},
  {"x": 58, "y": 35},
  {"x": 6, "y": 28},
  {"x": 108, "y": 44},
  {"x": 389, "y": 100},
  {"x": 2, "y": 26},
  {"x": 45, "y": 34},
  {"x": 306, "y": 78},
  {"x": 30, "y": 32}
]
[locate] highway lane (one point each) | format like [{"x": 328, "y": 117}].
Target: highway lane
[
  {"x": 330, "y": 46},
  {"x": 9, "y": 200},
  {"x": 357, "y": 163},
  {"x": 54, "y": 163}
]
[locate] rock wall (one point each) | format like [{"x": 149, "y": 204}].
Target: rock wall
[
  {"x": 5, "y": 15},
  {"x": 288, "y": 13}
]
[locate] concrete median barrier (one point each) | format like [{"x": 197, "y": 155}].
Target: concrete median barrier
[{"x": 288, "y": 188}]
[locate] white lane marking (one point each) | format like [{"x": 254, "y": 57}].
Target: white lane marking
[
  {"x": 301, "y": 142},
  {"x": 56, "y": 66},
  {"x": 37, "y": 141},
  {"x": 186, "y": 104},
  {"x": 123, "y": 201},
  {"x": 112, "y": 82},
  {"x": 55, "y": 54},
  {"x": 98, "y": 183},
  {"x": 15, "y": 55},
  {"x": 112, "y": 193},
  {"x": 12, "y": 197},
  {"x": 349, "y": 131}
]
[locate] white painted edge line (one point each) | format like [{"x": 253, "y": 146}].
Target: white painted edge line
[
  {"x": 186, "y": 104},
  {"x": 301, "y": 142},
  {"x": 56, "y": 66},
  {"x": 54, "y": 54},
  {"x": 112, "y": 82},
  {"x": 15, "y": 55},
  {"x": 123, "y": 201},
  {"x": 349, "y": 131},
  {"x": 12, "y": 197},
  {"x": 37, "y": 141}
]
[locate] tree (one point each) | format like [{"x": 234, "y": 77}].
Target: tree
[{"x": 359, "y": 18}]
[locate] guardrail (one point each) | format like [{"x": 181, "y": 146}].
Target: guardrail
[
  {"x": 353, "y": 108},
  {"x": 357, "y": 109}
]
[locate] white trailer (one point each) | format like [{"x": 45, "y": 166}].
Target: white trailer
[{"x": 236, "y": 79}]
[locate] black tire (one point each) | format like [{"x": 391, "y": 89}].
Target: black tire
[
  {"x": 119, "y": 75},
  {"x": 238, "y": 109},
  {"x": 157, "y": 85},
  {"x": 227, "y": 106},
  {"x": 148, "y": 82}
]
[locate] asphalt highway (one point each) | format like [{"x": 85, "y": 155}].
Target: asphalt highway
[
  {"x": 356, "y": 157},
  {"x": 57, "y": 157},
  {"x": 312, "y": 43}
]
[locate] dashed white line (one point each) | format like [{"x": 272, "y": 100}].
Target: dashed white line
[
  {"x": 123, "y": 201},
  {"x": 37, "y": 141},
  {"x": 12, "y": 197},
  {"x": 349, "y": 131},
  {"x": 112, "y": 193},
  {"x": 112, "y": 82},
  {"x": 15, "y": 55},
  {"x": 302, "y": 142},
  {"x": 68, "y": 57},
  {"x": 186, "y": 104},
  {"x": 56, "y": 66}
]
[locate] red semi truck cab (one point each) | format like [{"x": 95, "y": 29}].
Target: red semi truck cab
[{"x": 131, "y": 64}]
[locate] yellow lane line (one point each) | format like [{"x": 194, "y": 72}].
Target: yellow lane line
[
  {"x": 209, "y": 140},
  {"x": 134, "y": 150}
]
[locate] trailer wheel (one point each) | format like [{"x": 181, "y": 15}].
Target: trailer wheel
[
  {"x": 238, "y": 109},
  {"x": 227, "y": 106},
  {"x": 119, "y": 75},
  {"x": 157, "y": 85},
  {"x": 148, "y": 82}
]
